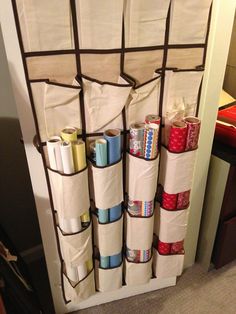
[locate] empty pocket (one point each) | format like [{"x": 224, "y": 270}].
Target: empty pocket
[
  {"x": 145, "y": 22},
  {"x": 166, "y": 266},
  {"x": 139, "y": 232},
  {"x": 77, "y": 247},
  {"x": 82, "y": 290},
  {"x": 176, "y": 170},
  {"x": 108, "y": 279},
  {"x": 171, "y": 225},
  {"x": 104, "y": 102},
  {"x": 108, "y": 185},
  {"x": 188, "y": 21},
  {"x": 144, "y": 100},
  {"x": 45, "y": 25},
  {"x": 108, "y": 237},
  {"x": 70, "y": 193},
  {"x": 138, "y": 273},
  {"x": 142, "y": 178}
]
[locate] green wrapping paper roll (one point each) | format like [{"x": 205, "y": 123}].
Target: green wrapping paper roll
[{"x": 101, "y": 152}]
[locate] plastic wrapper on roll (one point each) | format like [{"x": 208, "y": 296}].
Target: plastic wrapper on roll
[
  {"x": 136, "y": 139},
  {"x": 177, "y": 137},
  {"x": 193, "y": 129}
]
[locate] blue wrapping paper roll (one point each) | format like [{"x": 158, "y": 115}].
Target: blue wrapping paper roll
[
  {"x": 103, "y": 215},
  {"x": 114, "y": 145},
  {"x": 115, "y": 260},
  {"x": 115, "y": 212},
  {"x": 101, "y": 152},
  {"x": 104, "y": 261}
]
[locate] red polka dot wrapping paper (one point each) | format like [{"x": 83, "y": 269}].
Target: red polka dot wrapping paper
[
  {"x": 177, "y": 247},
  {"x": 164, "y": 248},
  {"x": 193, "y": 130},
  {"x": 177, "y": 138},
  {"x": 183, "y": 199}
]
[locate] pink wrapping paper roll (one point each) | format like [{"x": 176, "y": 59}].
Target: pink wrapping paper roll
[
  {"x": 177, "y": 138},
  {"x": 177, "y": 247},
  {"x": 193, "y": 129},
  {"x": 183, "y": 199}
]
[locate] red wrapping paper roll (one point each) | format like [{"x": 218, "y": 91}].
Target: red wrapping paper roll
[
  {"x": 177, "y": 247},
  {"x": 163, "y": 248},
  {"x": 183, "y": 199},
  {"x": 193, "y": 129},
  {"x": 169, "y": 201},
  {"x": 177, "y": 138},
  {"x": 152, "y": 118}
]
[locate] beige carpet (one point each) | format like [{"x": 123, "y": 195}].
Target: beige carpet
[{"x": 196, "y": 292}]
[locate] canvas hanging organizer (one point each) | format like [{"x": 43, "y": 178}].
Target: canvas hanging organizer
[{"x": 97, "y": 65}]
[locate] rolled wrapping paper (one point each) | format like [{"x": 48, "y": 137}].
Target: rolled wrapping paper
[
  {"x": 101, "y": 152},
  {"x": 193, "y": 129},
  {"x": 79, "y": 155},
  {"x": 69, "y": 134},
  {"x": 92, "y": 150},
  {"x": 136, "y": 139},
  {"x": 177, "y": 247},
  {"x": 72, "y": 273},
  {"x": 85, "y": 219},
  {"x": 140, "y": 208},
  {"x": 103, "y": 215},
  {"x": 138, "y": 256},
  {"x": 75, "y": 224},
  {"x": 115, "y": 212},
  {"x": 151, "y": 140},
  {"x": 183, "y": 199},
  {"x": 177, "y": 137},
  {"x": 169, "y": 201},
  {"x": 163, "y": 248},
  {"x": 115, "y": 260},
  {"x": 89, "y": 265},
  {"x": 104, "y": 261},
  {"x": 67, "y": 158},
  {"x": 54, "y": 153},
  {"x": 113, "y": 145},
  {"x": 153, "y": 118}
]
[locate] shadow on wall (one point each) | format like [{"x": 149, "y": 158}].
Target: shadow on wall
[{"x": 18, "y": 213}]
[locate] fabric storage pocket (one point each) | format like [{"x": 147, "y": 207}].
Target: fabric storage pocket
[
  {"x": 108, "y": 279},
  {"x": 108, "y": 237},
  {"x": 171, "y": 225},
  {"x": 142, "y": 177},
  {"x": 145, "y": 22},
  {"x": 108, "y": 185},
  {"x": 57, "y": 105},
  {"x": 104, "y": 102},
  {"x": 76, "y": 247},
  {"x": 139, "y": 232},
  {"x": 80, "y": 291},
  {"x": 99, "y": 24},
  {"x": 188, "y": 21},
  {"x": 166, "y": 266},
  {"x": 45, "y": 25},
  {"x": 176, "y": 170},
  {"x": 70, "y": 193},
  {"x": 144, "y": 99},
  {"x": 138, "y": 273}
]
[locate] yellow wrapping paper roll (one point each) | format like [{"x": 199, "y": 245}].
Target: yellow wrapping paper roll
[
  {"x": 69, "y": 134},
  {"x": 79, "y": 155}
]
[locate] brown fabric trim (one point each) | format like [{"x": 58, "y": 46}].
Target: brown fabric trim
[
  {"x": 74, "y": 286},
  {"x": 134, "y": 216},
  {"x": 110, "y": 222},
  {"x": 66, "y": 174},
  {"x": 173, "y": 254},
  {"x": 78, "y": 232},
  {"x": 104, "y": 82},
  {"x": 139, "y": 157},
  {"x": 47, "y": 81},
  {"x": 48, "y": 53},
  {"x": 38, "y": 134},
  {"x": 107, "y": 166},
  {"x": 140, "y": 262}
]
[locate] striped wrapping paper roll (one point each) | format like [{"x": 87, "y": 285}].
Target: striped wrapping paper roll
[
  {"x": 153, "y": 118},
  {"x": 140, "y": 208},
  {"x": 136, "y": 138},
  {"x": 138, "y": 256},
  {"x": 151, "y": 140},
  {"x": 193, "y": 129},
  {"x": 178, "y": 136}
]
